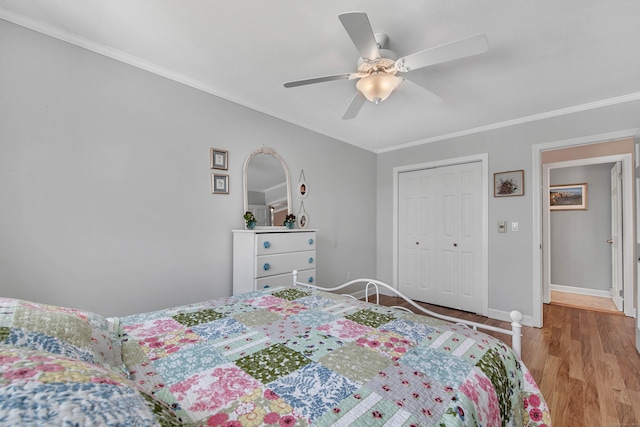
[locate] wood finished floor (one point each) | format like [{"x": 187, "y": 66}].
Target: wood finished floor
[
  {"x": 586, "y": 302},
  {"x": 584, "y": 361}
]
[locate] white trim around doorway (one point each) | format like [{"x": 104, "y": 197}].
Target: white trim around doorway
[{"x": 628, "y": 218}]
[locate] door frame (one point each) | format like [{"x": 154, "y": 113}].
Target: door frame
[
  {"x": 627, "y": 214},
  {"x": 617, "y": 235},
  {"x": 483, "y": 158},
  {"x": 539, "y": 293}
]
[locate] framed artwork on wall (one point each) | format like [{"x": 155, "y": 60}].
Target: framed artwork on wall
[
  {"x": 510, "y": 183},
  {"x": 568, "y": 197},
  {"x": 218, "y": 158},
  {"x": 219, "y": 184},
  {"x": 303, "y": 187}
]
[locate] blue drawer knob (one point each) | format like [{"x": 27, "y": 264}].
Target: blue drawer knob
[
  {"x": 311, "y": 241},
  {"x": 266, "y": 266},
  {"x": 266, "y": 245},
  {"x": 265, "y": 286},
  {"x": 310, "y": 260},
  {"x": 310, "y": 280}
]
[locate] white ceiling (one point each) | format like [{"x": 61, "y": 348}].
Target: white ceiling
[{"x": 545, "y": 58}]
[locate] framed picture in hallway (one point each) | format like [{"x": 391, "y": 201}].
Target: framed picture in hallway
[
  {"x": 510, "y": 183},
  {"x": 568, "y": 197}
]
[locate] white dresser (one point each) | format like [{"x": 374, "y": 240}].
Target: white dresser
[{"x": 264, "y": 258}]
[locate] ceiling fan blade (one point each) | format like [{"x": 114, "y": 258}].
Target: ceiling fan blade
[
  {"x": 470, "y": 46},
  {"x": 426, "y": 94},
  {"x": 314, "y": 80},
  {"x": 359, "y": 29},
  {"x": 354, "y": 107}
]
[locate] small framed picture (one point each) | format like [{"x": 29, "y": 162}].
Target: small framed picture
[
  {"x": 510, "y": 183},
  {"x": 303, "y": 189},
  {"x": 568, "y": 197},
  {"x": 218, "y": 158},
  {"x": 303, "y": 220},
  {"x": 219, "y": 184}
]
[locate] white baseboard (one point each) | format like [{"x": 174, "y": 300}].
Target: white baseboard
[
  {"x": 527, "y": 320},
  {"x": 581, "y": 291}
]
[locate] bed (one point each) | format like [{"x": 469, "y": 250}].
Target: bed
[{"x": 285, "y": 356}]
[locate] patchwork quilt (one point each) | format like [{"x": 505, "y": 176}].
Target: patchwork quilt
[{"x": 294, "y": 357}]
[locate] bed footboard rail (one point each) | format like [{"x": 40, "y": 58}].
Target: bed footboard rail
[{"x": 516, "y": 317}]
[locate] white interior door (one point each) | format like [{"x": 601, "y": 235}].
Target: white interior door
[
  {"x": 616, "y": 236},
  {"x": 440, "y": 236},
  {"x": 415, "y": 243}
]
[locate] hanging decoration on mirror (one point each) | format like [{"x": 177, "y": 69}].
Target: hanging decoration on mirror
[
  {"x": 303, "y": 187},
  {"x": 303, "y": 219}
]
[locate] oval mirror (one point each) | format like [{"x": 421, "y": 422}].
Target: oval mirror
[{"x": 267, "y": 187}]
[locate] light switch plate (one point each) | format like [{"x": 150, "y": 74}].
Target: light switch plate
[
  {"x": 514, "y": 226},
  {"x": 502, "y": 226}
]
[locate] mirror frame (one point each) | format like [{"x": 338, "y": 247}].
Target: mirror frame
[{"x": 269, "y": 152}]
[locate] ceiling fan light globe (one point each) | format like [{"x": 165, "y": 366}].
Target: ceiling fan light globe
[{"x": 377, "y": 87}]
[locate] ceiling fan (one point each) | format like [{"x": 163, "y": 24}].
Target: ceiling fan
[{"x": 378, "y": 67}]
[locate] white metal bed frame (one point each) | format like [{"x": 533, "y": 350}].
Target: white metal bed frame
[{"x": 516, "y": 316}]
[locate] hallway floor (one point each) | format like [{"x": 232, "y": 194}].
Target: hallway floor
[{"x": 585, "y": 302}]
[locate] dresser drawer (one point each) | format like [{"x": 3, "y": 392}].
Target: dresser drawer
[
  {"x": 277, "y": 243},
  {"x": 305, "y": 276},
  {"x": 267, "y": 257},
  {"x": 271, "y": 265}
]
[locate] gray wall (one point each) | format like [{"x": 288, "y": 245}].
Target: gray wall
[
  {"x": 580, "y": 254},
  {"x": 509, "y": 148},
  {"x": 105, "y": 197}
]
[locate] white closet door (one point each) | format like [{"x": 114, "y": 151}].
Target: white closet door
[
  {"x": 440, "y": 236},
  {"x": 416, "y": 245}
]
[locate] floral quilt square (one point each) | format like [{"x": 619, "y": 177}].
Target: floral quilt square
[
  {"x": 314, "y": 344},
  {"x": 142, "y": 318},
  {"x": 256, "y": 317},
  {"x": 157, "y": 347},
  {"x": 478, "y": 389},
  {"x": 272, "y": 363},
  {"x": 313, "y": 390},
  {"x": 230, "y": 310},
  {"x": 179, "y": 366},
  {"x": 219, "y": 329},
  {"x": 425, "y": 320},
  {"x": 414, "y": 391},
  {"x": 283, "y": 329},
  {"x": 391, "y": 344},
  {"x": 197, "y": 317},
  {"x": 314, "y": 301},
  {"x": 287, "y": 308},
  {"x": 313, "y": 318},
  {"x": 249, "y": 295},
  {"x": 213, "y": 389},
  {"x": 356, "y": 363},
  {"x": 264, "y": 301},
  {"x": 447, "y": 369},
  {"x": 415, "y": 332},
  {"x": 46, "y": 321},
  {"x": 344, "y": 329},
  {"x": 35, "y": 340},
  {"x": 370, "y": 318},
  {"x": 291, "y": 294},
  {"x": 260, "y": 407},
  {"x": 153, "y": 328}
]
